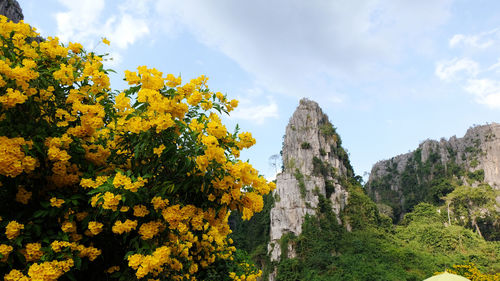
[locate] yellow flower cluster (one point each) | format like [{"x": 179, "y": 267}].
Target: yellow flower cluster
[
  {"x": 91, "y": 145},
  {"x": 140, "y": 211},
  {"x": 55, "y": 202},
  {"x": 121, "y": 227},
  {"x": 13, "y": 161},
  {"x": 5, "y": 251},
  {"x": 159, "y": 150},
  {"x": 90, "y": 252},
  {"x": 121, "y": 180},
  {"x": 111, "y": 201},
  {"x": 159, "y": 203},
  {"x": 243, "y": 277},
  {"x": 33, "y": 252},
  {"x": 150, "y": 229},
  {"x": 68, "y": 226},
  {"x": 11, "y": 98},
  {"x": 13, "y": 229},
  {"x": 471, "y": 272},
  {"x": 153, "y": 263},
  {"x": 89, "y": 183},
  {"x": 23, "y": 196},
  {"x": 113, "y": 269},
  {"x": 95, "y": 227},
  {"x": 48, "y": 271}
]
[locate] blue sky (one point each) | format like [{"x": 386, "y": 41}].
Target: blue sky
[{"x": 389, "y": 74}]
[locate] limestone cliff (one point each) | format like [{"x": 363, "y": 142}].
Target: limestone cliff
[
  {"x": 424, "y": 175},
  {"x": 314, "y": 162},
  {"x": 11, "y": 9}
]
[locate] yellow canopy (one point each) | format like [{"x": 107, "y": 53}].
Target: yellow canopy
[{"x": 446, "y": 277}]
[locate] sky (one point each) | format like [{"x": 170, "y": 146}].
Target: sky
[{"x": 388, "y": 73}]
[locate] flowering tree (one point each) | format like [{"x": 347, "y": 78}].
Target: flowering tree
[{"x": 128, "y": 185}]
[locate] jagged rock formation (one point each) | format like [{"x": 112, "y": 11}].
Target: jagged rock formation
[
  {"x": 314, "y": 162},
  {"x": 11, "y": 9},
  {"x": 424, "y": 175}
]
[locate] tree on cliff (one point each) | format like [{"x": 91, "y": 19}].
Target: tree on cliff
[
  {"x": 124, "y": 185},
  {"x": 469, "y": 204}
]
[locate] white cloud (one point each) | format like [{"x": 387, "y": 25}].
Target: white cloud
[
  {"x": 80, "y": 19},
  {"x": 486, "y": 91},
  {"x": 495, "y": 67},
  {"x": 305, "y": 46},
  {"x": 86, "y": 21},
  {"x": 335, "y": 99},
  {"x": 127, "y": 30},
  {"x": 259, "y": 113},
  {"x": 481, "y": 40},
  {"x": 481, "y": 82},
  {"x": 449, "y": 70}
]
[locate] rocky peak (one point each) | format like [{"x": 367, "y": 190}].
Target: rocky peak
[
  {"x": 310, "y": 134},
  {"x": 314, "y": 162},
  {"x": 407, "y": 179},
  {"x": 11, "y": 9}
]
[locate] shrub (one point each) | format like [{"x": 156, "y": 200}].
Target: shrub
[{"x": 96, "y": 187}]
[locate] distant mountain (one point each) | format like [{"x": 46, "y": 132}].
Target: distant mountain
[{"x": 435, "y": 168}]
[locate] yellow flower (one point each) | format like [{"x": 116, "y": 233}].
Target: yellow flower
[
  {"x": 23, "y": 196},
  {"x": 15, "y": 275},
  {"x": 159, "y": 150},
  {"x": 5, "y": 251},
  {"x": 111, "y": 201},
  {"x": 68, "y": 226},
  {"x": 54, "y": 202},
  {"x": 113, "y": 269},
  {"x": 105, "y": 41},
  {"x": 126, "y": 226},
  {"x": 132, "y": 78},
  {"x": 13, "y": 229},
  {"x": 95, "y": 227},
  {"x": 150, "y": 229},
  {"x": 11, "y": 98},
  {"x": 140, "y": 211},
  {"x": 216, "y": 129},
  {"x": 211, "y": 197},
  {"x": 33, "y": 252},
  {"x": 159, "y": 203},
  {"x": 75, "y": 47}
]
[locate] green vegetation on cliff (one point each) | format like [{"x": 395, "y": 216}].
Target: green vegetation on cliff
[{"x": 421, "y": 244}]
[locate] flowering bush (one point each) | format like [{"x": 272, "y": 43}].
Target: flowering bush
[
  {"x": 471, "y": 272},
  {"x": 129, "y": 185}
]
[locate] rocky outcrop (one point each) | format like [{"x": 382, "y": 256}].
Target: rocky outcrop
[
  {"x": 314, "y": 162},
  {"x": 422, "y": 175},
  {"x": 11, "y": 9}
]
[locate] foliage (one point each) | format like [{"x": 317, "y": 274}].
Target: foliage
[
  {"x": 97, "y": 187},
  {"x": 305, "y": 145},
  {"x": 302, "y": 185},
  {"x": 326, "y": 251},
  {"x": 428, "y": 181},
  {"x": 470, "y": 204},
  {"x": 248, "y": 235},
  {"x": 361, "y": 211},
  {"x": 477, "y": 175},
  {"x": 320, "y": 168},
  {"x": 328, "y": 130},
  {"x": 423, "y": 212}
]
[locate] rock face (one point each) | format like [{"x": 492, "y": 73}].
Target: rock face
[
  {"x": 313, "y": 161},
  {"x": 11, "y": 9},
  {"x": 407, "y": 179}
]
